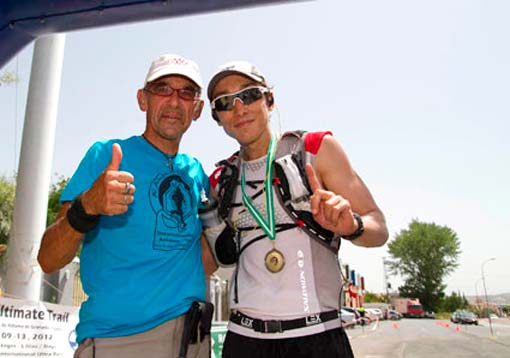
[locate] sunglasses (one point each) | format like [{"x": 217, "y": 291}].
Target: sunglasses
[
  {"x": 246, "y": 96},
  {"x": 165, "y": 90}
]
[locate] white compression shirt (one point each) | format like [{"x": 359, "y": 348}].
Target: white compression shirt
[{"x": 309, "y": 283}]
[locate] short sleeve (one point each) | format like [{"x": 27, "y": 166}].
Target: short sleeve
[{"x": 90, "y": 168}]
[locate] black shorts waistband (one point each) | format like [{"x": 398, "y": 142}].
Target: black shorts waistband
[{"x": 274, "y": 326}]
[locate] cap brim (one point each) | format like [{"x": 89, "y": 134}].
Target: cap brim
[{"x": 169, "y": 72}]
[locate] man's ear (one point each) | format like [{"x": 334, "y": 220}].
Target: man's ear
[
  {"x": 197, "y": 109},
  {"x": 142, "y": 101}
]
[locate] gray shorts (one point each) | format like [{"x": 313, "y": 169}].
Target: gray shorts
[{"x": 164, "y": 341}]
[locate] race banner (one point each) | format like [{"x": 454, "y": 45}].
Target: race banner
[
  {"x": 37, "y": 329},
  {"x": 218, "y": 333}
]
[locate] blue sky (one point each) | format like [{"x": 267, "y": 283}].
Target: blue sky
[{"x": 416, "y": 92}]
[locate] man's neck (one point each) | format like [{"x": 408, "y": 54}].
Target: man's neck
[
  {"x": 166, "y": 146},
  {"x": 256, "y": 149}
]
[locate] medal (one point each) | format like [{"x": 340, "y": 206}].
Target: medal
[{"x": 274, "y": 261}]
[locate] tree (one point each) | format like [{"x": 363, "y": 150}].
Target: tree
[
  {"x": 506, "y": 309},
  {"x": 8, "y": 78},
  {"x": 453, "y": 302},
  {"x": 7, "y": 194},
  {"x": 370, "y": 297},
  {"x": 424, "y": 254},
  {"x": 53, "y": 199}
]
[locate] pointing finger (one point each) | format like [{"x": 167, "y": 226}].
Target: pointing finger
[
  {"x": 318, "y": 200},
  {"x": 312, "y": 178},
  {"x": 315, "y": 202}
]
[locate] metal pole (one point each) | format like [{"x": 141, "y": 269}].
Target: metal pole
[
  {"x": 385, "y": 273},
  {"x": 485, "y": 289},
  {"x": 34, "y": 173}
]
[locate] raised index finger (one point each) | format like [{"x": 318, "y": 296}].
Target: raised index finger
[{"x": 312, "y": 178}]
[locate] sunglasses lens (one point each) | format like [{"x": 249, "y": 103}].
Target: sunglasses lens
[
  {"x": 224, "y": 103},
  {"x": 248, "y": 96}
]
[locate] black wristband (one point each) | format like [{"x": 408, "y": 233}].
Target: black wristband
[
  {"x": 79, "y": 219},
  {"x": 359, "y": 231}
]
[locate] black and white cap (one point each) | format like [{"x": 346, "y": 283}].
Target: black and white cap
[{"x": 235, "y": 67}]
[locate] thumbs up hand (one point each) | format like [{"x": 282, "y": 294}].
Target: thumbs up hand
[
  {"x": 112, "y": 191},
  {"x": 330, "y": 210},
  {"x": 116, "y": 157}
]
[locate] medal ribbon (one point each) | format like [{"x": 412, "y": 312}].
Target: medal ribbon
[{"x": 269, "y": 225}]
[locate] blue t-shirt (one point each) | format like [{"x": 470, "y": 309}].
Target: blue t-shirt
[{"x": 143, "y": 267}]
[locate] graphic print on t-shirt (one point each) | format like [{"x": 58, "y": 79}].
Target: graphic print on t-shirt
[{"x": 171, "y": 198}]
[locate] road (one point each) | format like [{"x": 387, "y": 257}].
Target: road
[{"x": 420, "y": 338}]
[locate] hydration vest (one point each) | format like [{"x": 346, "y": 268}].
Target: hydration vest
[{"x": 294, "y": 150}]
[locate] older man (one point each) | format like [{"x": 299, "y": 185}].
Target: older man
[{"x": 132, "y": 203}]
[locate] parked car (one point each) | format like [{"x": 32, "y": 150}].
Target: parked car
[
  {"x": 352, "y": 310},
  {"x": 374, "y": 313},
  {"x": 348, "y": 318},
  {"x": 394, "y": 315},
  {"x": 464, "y": 317},
  {"x": 429, "y": 314},
  {"x": 455, "y": 317}
]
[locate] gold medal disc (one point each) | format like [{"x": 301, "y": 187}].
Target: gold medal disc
[{"x": 274, "y": 261}]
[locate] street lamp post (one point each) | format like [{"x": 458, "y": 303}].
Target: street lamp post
[
  {"x": 485, "y": 289},
  {"x": 386, "y": 283}
]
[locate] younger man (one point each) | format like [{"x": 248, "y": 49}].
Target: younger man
[{"x": 286, "y": 290}]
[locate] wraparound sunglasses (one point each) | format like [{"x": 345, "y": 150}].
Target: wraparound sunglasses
[{"x": 247, "y": 96}]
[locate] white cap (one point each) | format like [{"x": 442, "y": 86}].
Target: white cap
[
  {"x": 174, "y": 65},
  {"x": 235, "y": 67}
]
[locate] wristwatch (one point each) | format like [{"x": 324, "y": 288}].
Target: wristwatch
[{"x": 359, "y": 231}]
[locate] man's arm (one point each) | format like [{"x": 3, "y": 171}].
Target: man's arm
[
  {"x": 59, "y": 244},
  {"x": 208, "y": 260},
  {"x": 109, "y": 195},
  {"x": 344, "y": 193}
]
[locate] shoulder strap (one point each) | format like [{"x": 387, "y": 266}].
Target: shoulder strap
[
  {"x": 224, "y": 180},
  {"x": 297, "y": 149}
]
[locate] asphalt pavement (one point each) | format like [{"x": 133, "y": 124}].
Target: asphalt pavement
[{"x": 420, "y": 338}]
